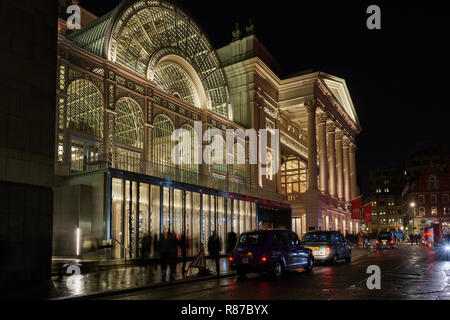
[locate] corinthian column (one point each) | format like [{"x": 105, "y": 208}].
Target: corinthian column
[
  {"x": 347, "y": 187},
  {"x": 323, "y": 159},
  {"x": 339, "y": 166},
  {"x": 312, "y": 146},
  {"x": 353, "y": 184},
  {"x": 331, "y": 160}
]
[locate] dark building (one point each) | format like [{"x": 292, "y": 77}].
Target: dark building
[
  {"x": 27, "y": 119},
  {"x": 385, "y": 186}
]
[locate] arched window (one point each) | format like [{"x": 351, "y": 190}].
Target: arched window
[
  {"x": 85, "y": 108},
  {"x": 293, "y": 176},
  {"x": 162, "y": 144},
  {"x": 432, "y": 182},
  {"x": 129, "y": 123}
]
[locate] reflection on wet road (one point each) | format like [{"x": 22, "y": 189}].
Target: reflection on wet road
[{"x": 407, "y": 272}]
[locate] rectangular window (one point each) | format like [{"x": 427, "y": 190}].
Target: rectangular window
[
  {"x": 445, "y": 198},
  {"x": 446, "y": 210},
  {"x": 421, "y": 211},
  {"x": 421, "y": 199},
  {"x": 433, "y": 199},
  {"x": 434, "y": 211}
]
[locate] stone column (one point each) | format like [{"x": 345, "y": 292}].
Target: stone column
[
  {"x": 312, "y": 146},
  {"x": 323, "y": 159},
  {"x": 331, "y": 160},
  {"x": 339, "y": 166},
  {"x": 353, "y": 183},
  {"x": 347, "y": 187}
]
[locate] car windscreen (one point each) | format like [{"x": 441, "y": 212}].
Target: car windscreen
[
  {"x": 316, "y": 237},
  {"x": 385, "y": 235},
  {"x": 373, "y": 235},
  {"x": 252, "y": 239}
]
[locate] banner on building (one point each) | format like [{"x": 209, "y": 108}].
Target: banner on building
[
  {"x": 367, "y": 212},
  {"x": 356, "y": 208}
]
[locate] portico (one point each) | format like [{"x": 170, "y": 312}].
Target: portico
[{"x": 320, "y": 104}]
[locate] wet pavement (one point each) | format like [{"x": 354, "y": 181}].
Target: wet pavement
[
  {"x": 408, "y": 272},
  {"x": 125, "y": 278}
]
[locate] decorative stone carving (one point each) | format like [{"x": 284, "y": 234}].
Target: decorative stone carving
[
  {"x": 331, "y": 128},
  {"x": 322, "y": 117},
  {"x": 236, "y": 33},
  {"x": 311, "y": 106},
  {"x": 339, "y": 135}
]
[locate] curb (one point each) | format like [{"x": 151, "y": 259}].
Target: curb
[{"x": 116, "y": 292}]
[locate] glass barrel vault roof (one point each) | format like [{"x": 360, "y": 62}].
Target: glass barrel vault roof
[{"x": 138, "y": 34}]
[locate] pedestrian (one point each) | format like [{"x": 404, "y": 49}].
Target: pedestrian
[
  {"x": 214, "y": 249},
  {"x": 183, "y": 246},
  {"x": 146, "y": 246},
  {"x": 167, "y": 249},
  {"x": 155, "y": 245},
  {"x": 231, "y": 241}
]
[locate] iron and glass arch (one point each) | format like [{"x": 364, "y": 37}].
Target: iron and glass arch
[
  {"x": 142, "y": 34},
  {"x": 85, "y": 108},
  {"x": 129, "y": 128}
]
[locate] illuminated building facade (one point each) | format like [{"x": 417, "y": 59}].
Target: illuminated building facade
[{"x": 128, "y": 79}]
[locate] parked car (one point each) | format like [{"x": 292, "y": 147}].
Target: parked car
[
  {"x": 372, "y": 242},
  {"x": 328, "y": 246},
  {"x": 385, "y": 240},
  {"x": 271, "y": 251}
]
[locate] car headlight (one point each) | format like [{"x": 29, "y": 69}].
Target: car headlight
[{"x": 447, "y": 248}]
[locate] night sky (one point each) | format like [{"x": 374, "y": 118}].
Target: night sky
[{"x": 397, "y": 76}]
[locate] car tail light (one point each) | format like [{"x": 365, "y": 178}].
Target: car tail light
[
  {"x": 230, "y": 259},
  {"x": 392, "y": 241},
  {"x": 377, "y": 242},
  {"x": 328, "y": 249},
  {"x": 263, "y": 259}
]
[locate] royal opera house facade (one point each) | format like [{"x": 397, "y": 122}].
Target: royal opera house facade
[{"x": 128, "y": 79}]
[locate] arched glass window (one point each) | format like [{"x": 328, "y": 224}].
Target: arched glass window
[
  {"x": 85, "y": 108},
  {"x": 129, "y": 123},
  {"x": 293, "y": 176},
  {"x": 162, "y": 144}
]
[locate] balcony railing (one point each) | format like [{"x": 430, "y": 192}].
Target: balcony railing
[{"x": 170, "y": 172}]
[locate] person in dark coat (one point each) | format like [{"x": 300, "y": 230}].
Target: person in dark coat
[
  {"x": 231, "y": 241},
  {"x": 168, "y": 254},
  {"x": 214, "y": 249},
  {"x": 183, "y": 246},
  {"x": 146, "y": 246}
]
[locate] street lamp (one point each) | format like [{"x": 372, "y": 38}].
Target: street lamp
[{"x": 412, "y": 205}]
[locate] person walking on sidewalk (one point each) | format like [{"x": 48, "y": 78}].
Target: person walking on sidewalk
[
  {"x": 168, "y": 254},
  {"x": 214, "y": 249},
  {"x": 183, "y": 246}
]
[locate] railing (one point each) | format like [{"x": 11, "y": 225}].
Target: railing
[{"x": 170, "y": 172}]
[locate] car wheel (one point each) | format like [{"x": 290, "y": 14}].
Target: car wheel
[
  {"x": 310, "y": 265},
  {"x": 277, "y": 270}
]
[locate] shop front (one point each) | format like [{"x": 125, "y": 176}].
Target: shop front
[{"x": 140, "y": 207}]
